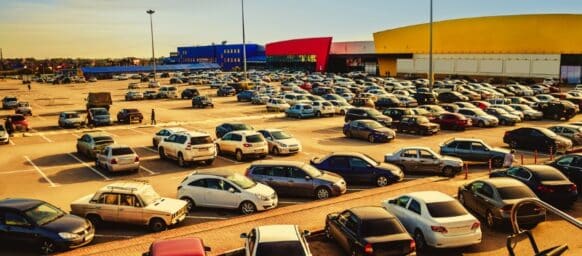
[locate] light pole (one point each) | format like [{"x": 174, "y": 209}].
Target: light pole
[
  {"x": 242, "y": 4},
  {"x": 151, "y": 12},
  {"x": 430, "y": 72}
]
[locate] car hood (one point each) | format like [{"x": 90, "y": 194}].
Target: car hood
[
  {"x": 67, "y": 223},
  {"x": 168, "y": 205},
  {"x": 452, "y": 159},
  {"x": 290, "y": 141},
  {"x": 330, "y": 177},
  {"x": 387, "y": 238},
  {"x": 261, "y": 189},
  {"x": 384, "y": 130}
]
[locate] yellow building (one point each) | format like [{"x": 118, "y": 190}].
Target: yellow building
[{"x": 541, "y": 45}]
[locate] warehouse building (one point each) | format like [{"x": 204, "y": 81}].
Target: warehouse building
[
  {"x": 538, "y": 46},
  {"x": 227, "y": 56}
]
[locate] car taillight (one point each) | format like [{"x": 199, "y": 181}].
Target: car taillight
[
  {"x": 188, "y": 146},
  {"x": 572, "y": 188},
  {"x": 247, "y": 145},
  {"x": 475, "y": 225},
  {"x": 368, "y": 249},
  {"x": 114, "y": 161},
  {"x": 412, "y": 245},
  {"x": 545, "y": 189},
  {"x": 439, "y": 229},
  {"x": 136, "y": 159}
]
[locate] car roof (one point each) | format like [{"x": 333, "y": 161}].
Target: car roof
[
  {"x": 244, "y": 132},
  {"x": 176, "y": 129},
  {"x": 196, "y": 133},
  {"x": 124, "y": 186},
  {"x": 271, "y": 130},
  {"x": 503, "y": 182},
  {"x": 371, "y": 212},
  {"x": 346, "y": 153},
  {"x": 277, "y": 233},
  {"x": 539, "y": 168},
  {"x": 467, "y": 139},
  {"x": 190, "y": 246},
  {"x": 217, "y": 173},
  {"x": 431, "y": 196},
  {"x": 98, "y": 134},
  {"x": 415, "y": 147},
  {"x": 20, "y": 204},
  {"x": 279, "y": 162}
]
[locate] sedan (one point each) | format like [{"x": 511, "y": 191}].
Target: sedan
[
  {"x": 281, "y": 142},
  {"x": 276, "y": 240},
  {"x": 418, "y": 125},
  {"x": 479, "y": 117},
  {"x": 423, "y": 159},
  {"x": 369, "y": 130},
  {"x": 117, "y": 158},
  {"x": 528, "y": 112},
  {"x": 453, "y": 121},
  {"x": 92, "y": 143},
  {"x": 536, "y": 138}
]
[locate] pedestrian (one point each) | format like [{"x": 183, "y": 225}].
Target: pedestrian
[
  {"x": 28, "y": 84},
  {"x": 509, "y": 159},
  {"x": 153, "y": 117},
  {"x": 9, "y": 126}
]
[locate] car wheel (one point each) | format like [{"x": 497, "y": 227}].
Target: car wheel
[
  {"x": 209, "y": 162},
  {"x": 419, "y": 240},
  {"x": 299, "y": 116},
  {"x": 181, "y": 161},
  {"x": 490, "y": 220},
  {"x": 448, "y": 171},
  {"x": 47, "y": 247},
  {"x": 189, "y": 203},
  {"x": 247, "y": 207},
  {"x": 275, "y": 151},
  {"x": 239, "y": 155},
  {"x": 371, "y": 138},
  {"x": 94, "y": 219},
  {"x": 154, "y": 143},
  {"x": 502, "y": 122},
  {"x": 382, "y": 181},
  {"x": 158, "y": 225},
  {"x": 497, "y": 162},
  {"x": 322, "y": 193},
  {"x": 481, "y": 124},
  {"x": 162, "y": 154},
  {"x": 318, "y": 114}
]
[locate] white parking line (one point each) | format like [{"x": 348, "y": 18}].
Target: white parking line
[
  {"x": 135, "y": 130},
  {"x": 11, "y": 142},
  {"x": 41, "y": 118},
  {"x": 113, "y": 236},
  {"x": 206, "y": 217},
  {"x": 40, "y": 172},
  {"x": 229, "y": 160},
  {"x": 19, "y": 171},
  {"x": 150, "y": 150},
  {"x": 355, "y": 189},
  {"x": 42, "y": 135},
  {"x": 148, "y": 170},
  {"x": 76, "y": 136},
  {"x": 88, "y": 166}
]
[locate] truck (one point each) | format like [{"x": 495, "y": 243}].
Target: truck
[{"x": 99, "y": 100}]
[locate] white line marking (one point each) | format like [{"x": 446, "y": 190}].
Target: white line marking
[
  {"x": 45, "y": 138},
  {"x": 114, "y": 236},
  {"x": 148, "y": 170},
  {"x": 40, "y": 171},
  {"x": 229, "y": 160},
  {"x": 206, "y": 217},
  {"x": 11, "y": 142},
  {"x": 355, "y": 189},
  {"x": 88, "y": 166},
  {"x": 76, "y": 136},
  {"x": 19, "y": 171},
  {"x": 150, "y": 150},
  {"x": 140, "y": 131}
]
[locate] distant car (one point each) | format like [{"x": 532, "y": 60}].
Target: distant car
[
  {"x": 190, "y": 246},
  {"x": 175, "y": 80},
  {"x": 27, "y": 222},
  {"x": 451, "y": 96},
  {"x": 452, "y": 108},
  {"x": 280, "y": 142},
  {"x": 243, "y": 144},
  {"x": 225, "y": 128},
  {"x": 424, "y": 98},
  {"x": 418, "y": 125},
  {"x": 549, "y": 184},
  {"x": 368, "y": 113},
  {"x": 423, "y": 159},
  {"x": 226, "y": 189},
  {"x": 323, "y": 108},
  {"x": 278, "y": 105},
  {"x": 276, "y": 240},
  {"x": 133, "y": 95},
  {"x": 188, "y": 147},
  {"x": 152, "y": 84},
  {"x": 473, "y": 150},
  {"x": 189, "y": 93},
  {"x": 435, "y": 110},
  {"x": 9, "y": 102},
  {"x": 23, "y": 108},
  {"x": 504, "y": 117},
  {"x": 300, "y": 111},
  {"x": 70, "y": 119},
  {"x": 150, "y": 95},
  {"x": 509, "y": 110},
  {"x": 202, "y": 102},
  {"x": 4, "y": 136},
  {"x": 528, "y": 112},
  {"x": 359, "y": 168},
  {"x": 479, "y": 117},
  {"x": 117, "y": 158},
  {"x": 572, "y": 132},
  {"x": 296, "y": 179},
  {"x": 128, "y": 115},
  {"x": 368, "y": 230},
  {"x": 571, "y": 166},
  {"x": 453, "y": 121},
  {"x": 19, "y": 122},
  {"x": 226, "y": 90},
  {"x": 164, "y": 133},
  {"x": 557, "y": 110},
  {"x": 168, "y": 92},
  {"x": 536, "y": 138},
  {"x": 341, "y": 107},
  {"x": 397, "y": 113},
  {"x": 245, "y": 95},
  {"x": 260, "y": 99},
  {"x": 98, "y": 117},
  {"x": 92, "y": 143},
  {"x": 493, "y": 199},
  {"x": 369, "y": 130},
  {"x": 435, "y": 219}
]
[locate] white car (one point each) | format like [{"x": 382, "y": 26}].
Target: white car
[
  {"x": 243, "y": 144},
  {"x": 276, "y": 240},
  {"x": 435, "y": 219},
  {"x": 164, "y": 133},
  {"x": 226, "y": 189},
  {"x": 23, "y": 108},
  {"x": 169, "y": 92},
  {"x": 117, "y": 158},
  {"x": 188, "y": 147},
  {"x": 341, "y": 107},
  {"x": 4, "y": 139},
  {"x": 154, "y": 84},
  {"x": 280, "y": 142},
  {"x": 323, "y": 108},
  {"x": 278, "y": 105}
]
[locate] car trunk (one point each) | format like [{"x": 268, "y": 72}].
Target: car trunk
[
  {"x": 397, "y": 244},
  {"x": 458, "y": 225}
]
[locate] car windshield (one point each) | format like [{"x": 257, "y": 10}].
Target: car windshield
[
  {"x": 508, "y": 193},
  {"x": 549, "y": 176},
  {"x": 10, "y": 99},
  {"x": 254, "y": 138},
  {"x": 311, "y": 171},
  {"x": 99, "y": 112},
  {"x": 280, "y": 248},
  {"x": 381, "y": 227},
  {"x": 71, "y": 115},
  {"x": 240, "y": 127},
  {"x": 241, "y": 181},
  {"x": 281, "y": 135},
  {"x": 44, "y": 213},
  {"x": 121, "y": 151},
  {"x": 445, "y": 209},
  {"x": 17, "y": 118},
  {"x": 149, "y": 196},
  {"x": 201, "y": 140},
  {"x": 102, "y": 139}
]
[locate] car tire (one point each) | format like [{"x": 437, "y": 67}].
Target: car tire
[
  {"x": 275, "y": 151},
  {"x": 371, "y": 138},
  {"x": 497, "y": 162},
  {"x": 322, "y": 193},
  {"x": 239, "y": 155},
  {"x": 157, "y": 225},
  {"x": 490, "y": 220},
  {"x": 247, "y": 207},
  {"x": 209, "y": 161},
  {"x": 190, "y": 204},
  {"x": 154, "y": 143},
  {"x": 181, "y": 161},
  {"x": 481, "y": 124},
  {"x": 502, "y": 122},
  {"x": 94, "y": 219},
  {"x": 47, "y": 247},
  {"x": 420, "y": 241},
  {"x": 382, "y": 181},
  {"x": 162, "y": 154},
  {"x": 318, "y": 114},
  {"x": 218, "y": 151},
  {"x": 448, "y": 172}
]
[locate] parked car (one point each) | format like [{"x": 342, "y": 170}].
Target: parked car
[
  {"x": 435, "y": 110},
  {"x": 189, "y": 93},
  {"x": 117, "y": 158},
  {"x": 225, "y": 128},
  {"x": 98, "y": 117},
  {"x": 202, "y": 101},
  {"x": 9, "y": 102},
  {"x": 128, "y": 115},
  {"x": 133, "y": 95},
  {"x": 572, "y": 132},
  {"x": 549, "y": 184},
  {"x": 280, "y": 142},
  {"x": 358, "y": 168},
  {"x": 150, "y": 95},
  {"x": 92, "y": 143},
  {"x": 423, "y": 159},
  {"x": 135, "y": 202},
  {"x": 19, "y": 122},
  {"x": 274, "y": 104},
  {"x": 424, "y": 98},
  {"x": 528, "y": 112},
  {"x": 397, "y": 113},
  {"x": 384, "y": 102},
  {"x": 536, "y": 138},
  {"x": 473, "y": 150},
  {"x": 226, "y": 189},
  {"x": 571, "y": 166},
  {"x": 435, "y": 219},
  {"x": 226, "y": 90},
  {"x": 479, "y": 117},
  {"x": 509, "y": 110},
  {"x": 151, "y": 84},
  {"x": 4, "y": 136},
  {"x": 504, "y": 117},
  {"x": 323, "y": 108},
  {"x": 367, "y": 113},
  {"x": 368, "y": 130},
  {"x": 23, "y": 108},
  {"x": 175, "y": 80},
  {"x": 451, "y": 96},
  {"x": 246, "y": 95},
  {"x": 341, "y": 107},
  {"x": 449, "y": 107},
  {"x": 70, "y": 119},
  {"x": 168, "y": 92},
  {"x": 260, "y": 99},
  {"x": 189, "y": 246},
  {"x": 276, "y": 240},
  {"x": 297, "y": 179},
  {"x": 453, "y": 121},
  {"x": 243, "y": 144},
  {"x": 187, "y": 147},
  {"x": 493, "y": 199},
  {"x": 133, "y": 86},
  {"x": 418, "y": 125},
  {"x": 300, "y": 110},
  {"x": 33, "y": 222},
  {"x": 557, "y": 110},
  {"x": 368, "y": 230},
  {"x": 164, "y": 133}
]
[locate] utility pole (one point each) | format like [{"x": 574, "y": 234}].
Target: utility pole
[
  {"x": 242, "y": 3},
  {"x": 151, "y": 12},
  {"x": 430, "y": 71}
]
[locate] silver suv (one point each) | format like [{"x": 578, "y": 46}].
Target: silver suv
[{"x": 188, "y": 147}]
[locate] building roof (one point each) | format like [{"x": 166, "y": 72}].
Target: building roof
[
  {"x": 145, "y": 69},
  {"x": 20, "y": 204},
  {"x": 277, "y": 233}
]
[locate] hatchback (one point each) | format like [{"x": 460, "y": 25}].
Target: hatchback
[
  {"x": 117, "y": 158},
  {"x": 243, "y": 144}
]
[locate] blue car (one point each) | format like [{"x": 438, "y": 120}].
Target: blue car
[
  {"x": 300, "y": 111},
  {"x": 226, "y": 90},
  {"x": 246, "y": 95},
  {"x": 359, "y": 168},
  {"x": 368, "y": 130}
]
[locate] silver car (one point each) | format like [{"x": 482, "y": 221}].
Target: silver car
[
  {"x": 117, "y": 158},
  {"x": 423, "y": 159}
]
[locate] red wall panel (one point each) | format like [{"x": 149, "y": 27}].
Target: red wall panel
[{"x": 318, "y": 46}]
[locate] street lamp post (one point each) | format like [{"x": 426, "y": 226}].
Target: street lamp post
[
  {"x": 151, "y": 12},
  {"x": 244, "y": 50},
  {"x": 430, "y": 71}
]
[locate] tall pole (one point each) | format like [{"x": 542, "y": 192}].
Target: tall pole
[
  {"x": 151, "y": 12},
  {"x": 1, "y": 60},
  {"x": 430, "y": 72},
  {"x": 242, "y": 3}
]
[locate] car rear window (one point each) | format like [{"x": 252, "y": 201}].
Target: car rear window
[
  {"x": 508, "y": 193},
  {"x": 121, "y": 151},
  {"x": 254, "y": 138},
  {"x": 549, "y": 175},
  {"x": 280, "y": 248},
  {"x": 240, "y": 127},
  {"x": 381, "y": 227},
  {"x": 11, "y": 99},
  {"x": 445, "y": 209},
  {"x": 201, "y": 140}
]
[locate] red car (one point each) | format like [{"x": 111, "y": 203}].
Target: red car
[
  {"x": 20, "y": 123},
  {"x": 453, "y": 121},
  {"x": 178, "y": 247},
  {"x": 306, "y": 86},
  {"x": 484, "y": 105}
]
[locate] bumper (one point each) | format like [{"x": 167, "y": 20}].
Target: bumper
[
  {"x": 201, "y": 157},
  {"x": 178, "y": 219},
  {"x": 337, "y": 190},
  {"x": 72, "y": 244},
  {"x": 289, "y": 150},
  {"x": 267, "y": 204},
  {"x": 523, "y": 220},
  {"x": 256, "y": 152},
  {"x": 4, "y": 140},
  {"x": 123, "y": 167},
  {"x": 441, "y": 241}
]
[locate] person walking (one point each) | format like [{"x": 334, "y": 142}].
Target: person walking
[
  {"x": 29, "y": 87},
  {"x": 509, "y": 159},
  {"x": 153, "y": 117},
  {"x": 9, "y": 126}
]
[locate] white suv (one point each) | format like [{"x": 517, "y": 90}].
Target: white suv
[
  {"x": 323, "y": 108},
  {"x": 243, "y": 144},
  {"x": 188, "y": 147},
  {"x": 169, "y": 92},
  {"x": 226, "y": 189}
]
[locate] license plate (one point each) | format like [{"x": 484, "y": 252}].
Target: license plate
[
  {"x": 258, "y": 150},
  {"x": 203, "y": 149}
]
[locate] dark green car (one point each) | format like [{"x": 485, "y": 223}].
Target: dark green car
[{"x": 473, "y": 150}]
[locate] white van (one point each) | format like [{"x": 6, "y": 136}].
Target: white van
[{"x": 169, "y": 92}]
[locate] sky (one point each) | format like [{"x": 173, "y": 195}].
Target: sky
[{"x": 120, "y": 28}]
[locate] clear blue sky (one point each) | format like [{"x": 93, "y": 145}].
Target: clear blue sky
[{"x": 119, "y": 28}]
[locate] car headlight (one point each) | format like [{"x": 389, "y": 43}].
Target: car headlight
[
  {"x": 262, "y": 197},
  {"x": 282, "y": 144},
  {"x": 69, "y": 236}
]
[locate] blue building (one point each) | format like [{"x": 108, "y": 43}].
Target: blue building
[{"x": 227, "y": 56}]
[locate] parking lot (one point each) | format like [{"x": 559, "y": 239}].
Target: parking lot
[{"x": 43, "y": 162}]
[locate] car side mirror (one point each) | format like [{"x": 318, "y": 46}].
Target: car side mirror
[
  {"x": 392, "y": 201},
  {"x": 307, "y": 177},
  {"x": 231, "y": 190},
  {"x": 244, "y": 236}
]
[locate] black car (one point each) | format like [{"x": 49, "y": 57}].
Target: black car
[
  {"x": 449, "y": 97},
  {"x": 164, "y": 75},
  {"x": 571, "y": 166},
  {"x": 202, "y": 102},
  {"x": 367, "y": 113},
  {"x": 424, "y": 98},
  {"x": 128, "y": 115},
  {"x": 536, "y": 138},
  {"x": 246, "y": 95},
  {"x": 369, "y": 230},
  {"x": 384, "y": 102},
  {"x": 493, "y": 199},
  {"x": 418, "y": 125},
  {"x": 189, "y": 93},
  {"x": 359, "y": 168},
  {"x": 397, "y": 113},
  {"x": 549, "y": 184},
  {"x": 368, "y": 130},
  {"x": 42, "y": 225},
  {"x": 226, "y": 90},
  {"x": 557, "y": 110},
  {"x": 225, "y": 128}
]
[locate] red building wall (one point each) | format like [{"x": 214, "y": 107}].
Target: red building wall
[{"x": 318, "y": 46}]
